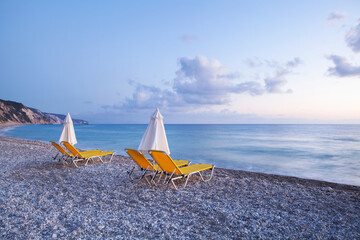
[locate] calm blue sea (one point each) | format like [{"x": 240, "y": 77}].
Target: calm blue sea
[{"x": 324, "y": 152}]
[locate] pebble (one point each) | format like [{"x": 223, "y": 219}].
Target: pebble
[{"x": 327, "y": 189}]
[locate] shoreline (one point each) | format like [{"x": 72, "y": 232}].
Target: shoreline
[
  {"x": 307, "y": 181},
  {"x": 7, "y": 125},
  {"x": 43, "y": 199}
]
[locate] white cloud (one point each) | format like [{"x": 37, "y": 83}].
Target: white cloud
[
  {"x": 254, "y": 62},
  {"x": 145, "y": 97},
  {"x": 353, "y": 38},
  {"x": 251, "y": 87},
  {"x": 202, "y": 82},
  {"x": 335, "y": 16},
  {"x": 342, "y": 67},
  {"x": 206, "y": 81},
  {"x": 293, "y": 63},
  {"x": 276, "y": 83}
]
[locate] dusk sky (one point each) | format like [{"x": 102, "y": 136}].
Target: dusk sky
[{"x": 198, "y": 61}]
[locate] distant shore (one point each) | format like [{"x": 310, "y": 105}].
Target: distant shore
[
  {"x": 40, "y": 198},
  {"x": 6, "y": 125}
]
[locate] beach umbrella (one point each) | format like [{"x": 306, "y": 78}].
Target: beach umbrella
[
  {"x": 154, "y": 137},
  {"x": 68, "y": 132}
]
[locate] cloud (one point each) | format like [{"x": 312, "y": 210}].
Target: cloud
[
  {"x": 342, "y": 67},
  {"x": 276, "y": 83},
  {"x": 188, "y": 38},
  {"x": 206, "y": 81},
  {"x": 202, "y": 82},
  {"x": 293, "y": 63},
  {"x": 335, "y": 16},
  {"x": 352, "y": 38},
  {"x": 251, "y": 87},
  {"x": 254, "y": 62},
  {"x": 145, "y": 97}
]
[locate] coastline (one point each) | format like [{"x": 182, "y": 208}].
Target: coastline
[
  {"x": 7, "y": 125},
  {"x": 290, "y": 178},
  {"x": 43, "y": 199}
]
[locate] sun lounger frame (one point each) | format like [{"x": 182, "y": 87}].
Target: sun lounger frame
[
  {"x": 150, "y": 166},
  {"x": 64, "y": 154},
  {"x": 79, "y": 157},
  {"x": 171, "y": 177}
]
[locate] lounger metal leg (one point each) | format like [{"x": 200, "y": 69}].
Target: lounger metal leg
[
  {"x": 111, "y": 157},
  {"x": 211, "y": 175},
  {"x": 70, "y": 159},
  {"x": 63, "y": 158},
  {"x": 187, "y": 179},
  {"x": 152, "y": 179},
  {"x": 103, "y": 161},
  {"x": 146, "y": 170},
  {"x": 74, "y": 161},
  {"x": 66, "y": 159},
  {"x": 142, "y": 176},
  {"x": 131, "y": 172},
  {"x": 160, "y": 178},
  {"x": 188, "y": 176},
  {"x": 173, "y": 179},
  {"x": 56, "y": 157},
  {"x": 170, "y": 178}
]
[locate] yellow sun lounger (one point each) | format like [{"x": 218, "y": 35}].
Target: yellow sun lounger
[
  {"x": 78, "y": 156},
  {"x": 64, "y": 155},
  {"x": 173, "y": 172},
  {"x": 145, "y": 165}
]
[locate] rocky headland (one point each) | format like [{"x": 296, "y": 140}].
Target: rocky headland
[{"x": 14, "y": 113}]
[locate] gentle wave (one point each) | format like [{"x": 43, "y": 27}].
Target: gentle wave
[{"x": 347, "y": 139}]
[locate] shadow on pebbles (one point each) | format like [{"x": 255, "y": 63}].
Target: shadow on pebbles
[{"x": 41, "y": 199}]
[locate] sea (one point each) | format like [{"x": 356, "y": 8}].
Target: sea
[{"x": 322, "y": 152}]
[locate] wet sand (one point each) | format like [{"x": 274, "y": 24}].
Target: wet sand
[{"x": 42, "y": 199}]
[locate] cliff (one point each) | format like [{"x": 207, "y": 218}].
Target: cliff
[{"x": 14, "y": 112}]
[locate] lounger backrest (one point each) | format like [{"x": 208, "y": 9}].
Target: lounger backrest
[
  {"x": 58, "y": 147},
  {"x": 165, "y": 161},
  {"x": 139, "y": 158},
  {"x": 72, "y": 149}
]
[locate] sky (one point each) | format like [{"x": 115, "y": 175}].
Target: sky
[{"x": 224, "y": 62}]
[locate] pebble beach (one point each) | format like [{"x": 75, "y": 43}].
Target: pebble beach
[{"x": 43, "y": 199}]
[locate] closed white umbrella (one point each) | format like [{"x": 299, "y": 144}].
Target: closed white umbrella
[
  {"x": 68, "y": 132},
  {"x": 154, "y": 137}
]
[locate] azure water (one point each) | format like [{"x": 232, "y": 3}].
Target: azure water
[{"x": 324, "y": 152}]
